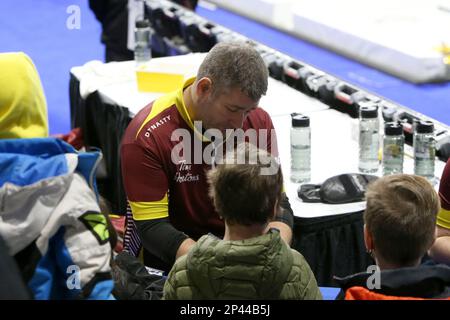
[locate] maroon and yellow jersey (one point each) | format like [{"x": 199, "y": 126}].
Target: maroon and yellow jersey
[
  {"x": 443, "y": 218},
  {"x": 158, "y": 187}
]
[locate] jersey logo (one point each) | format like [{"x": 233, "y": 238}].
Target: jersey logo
[
  {"x": 184, "y": 174},
  {"x": 97, "y": 224},
  {"x": 156, "y": 125}
]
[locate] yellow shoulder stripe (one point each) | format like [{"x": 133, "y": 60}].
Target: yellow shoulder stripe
[
  {"x": 159, "y": 105},
  {"x": 443, "y": 218},
  {"x": 168, "y": 100},
  {"x": 150, "y": 210}
]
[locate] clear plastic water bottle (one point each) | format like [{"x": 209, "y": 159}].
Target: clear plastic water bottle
[
  {"x": 369, "y": 141},
  {"x": 424, "y": 149},
  {"x": 300, "y": 148},
  {"x": 142, "y": 48},
  {"x": 393, "y": 148}
]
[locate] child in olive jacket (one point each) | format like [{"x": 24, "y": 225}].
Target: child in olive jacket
[{"x": 250, "y": 262}]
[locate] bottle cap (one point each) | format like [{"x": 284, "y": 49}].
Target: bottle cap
[
  {"x": 368, "y": 111},
  {"x": 388, "y": 113},
  {"x": 425, "y": 127},
  {"x": 393, "y": 129},
  {"x": 142, "y": 23},
  {"x": 299, "y": 120}
]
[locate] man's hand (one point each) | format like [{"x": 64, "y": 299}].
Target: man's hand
[
  {"x": 185, "y": 246},
  {"x": 285, "y": 230},
  {"x": 440, "y": 251}
]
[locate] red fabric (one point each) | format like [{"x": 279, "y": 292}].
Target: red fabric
[
  {"x": 118, "y": 223},
  {"x": 361, "y": 293},
  {"x": 74, "y": 138}
]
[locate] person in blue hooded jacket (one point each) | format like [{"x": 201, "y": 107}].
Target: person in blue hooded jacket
[{"x": 50, "y": 219}]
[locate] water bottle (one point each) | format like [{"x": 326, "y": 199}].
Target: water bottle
[
  {"x": 424, "y": 149},
  {"x": 300, "y": 148},
  {"x": 393, "y": 148},
  {"x": 369, "y": 142},
  {"x": 142, "y": 50}
]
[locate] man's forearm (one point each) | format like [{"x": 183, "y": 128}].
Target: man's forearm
[
  {"x": 284, "y": 220},
  {"x": 161, "y": 239}
]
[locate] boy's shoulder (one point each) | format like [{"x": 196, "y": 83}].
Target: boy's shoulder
[{"x": 300, "y": 265}]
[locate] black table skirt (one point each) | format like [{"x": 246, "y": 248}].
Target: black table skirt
[
  {"x": 103, "y": 124},
  {"x": 332, "y": 245}
]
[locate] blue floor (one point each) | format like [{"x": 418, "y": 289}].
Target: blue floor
[
  {"x": 38, "y": 28},
  {"x": 432, "y": 100}
]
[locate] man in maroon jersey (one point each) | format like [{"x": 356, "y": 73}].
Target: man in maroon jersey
[
  {"x": 440, "y": 251},
  {"x": 172, "y": 142}
]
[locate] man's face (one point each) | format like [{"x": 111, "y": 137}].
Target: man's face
[{"x": 226, "y": 110}]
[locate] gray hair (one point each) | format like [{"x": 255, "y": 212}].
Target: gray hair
[{"x": 235, "y": 65}]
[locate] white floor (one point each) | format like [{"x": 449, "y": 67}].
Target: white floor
[{"x": 407, "y": 38}]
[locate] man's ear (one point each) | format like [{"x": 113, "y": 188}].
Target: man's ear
[
  {"x": 204, "y": 87},
  {"x": 368, "y": 240}
]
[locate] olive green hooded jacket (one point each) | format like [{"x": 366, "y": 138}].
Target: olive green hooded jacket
[{"x": 258, "y": 268}]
